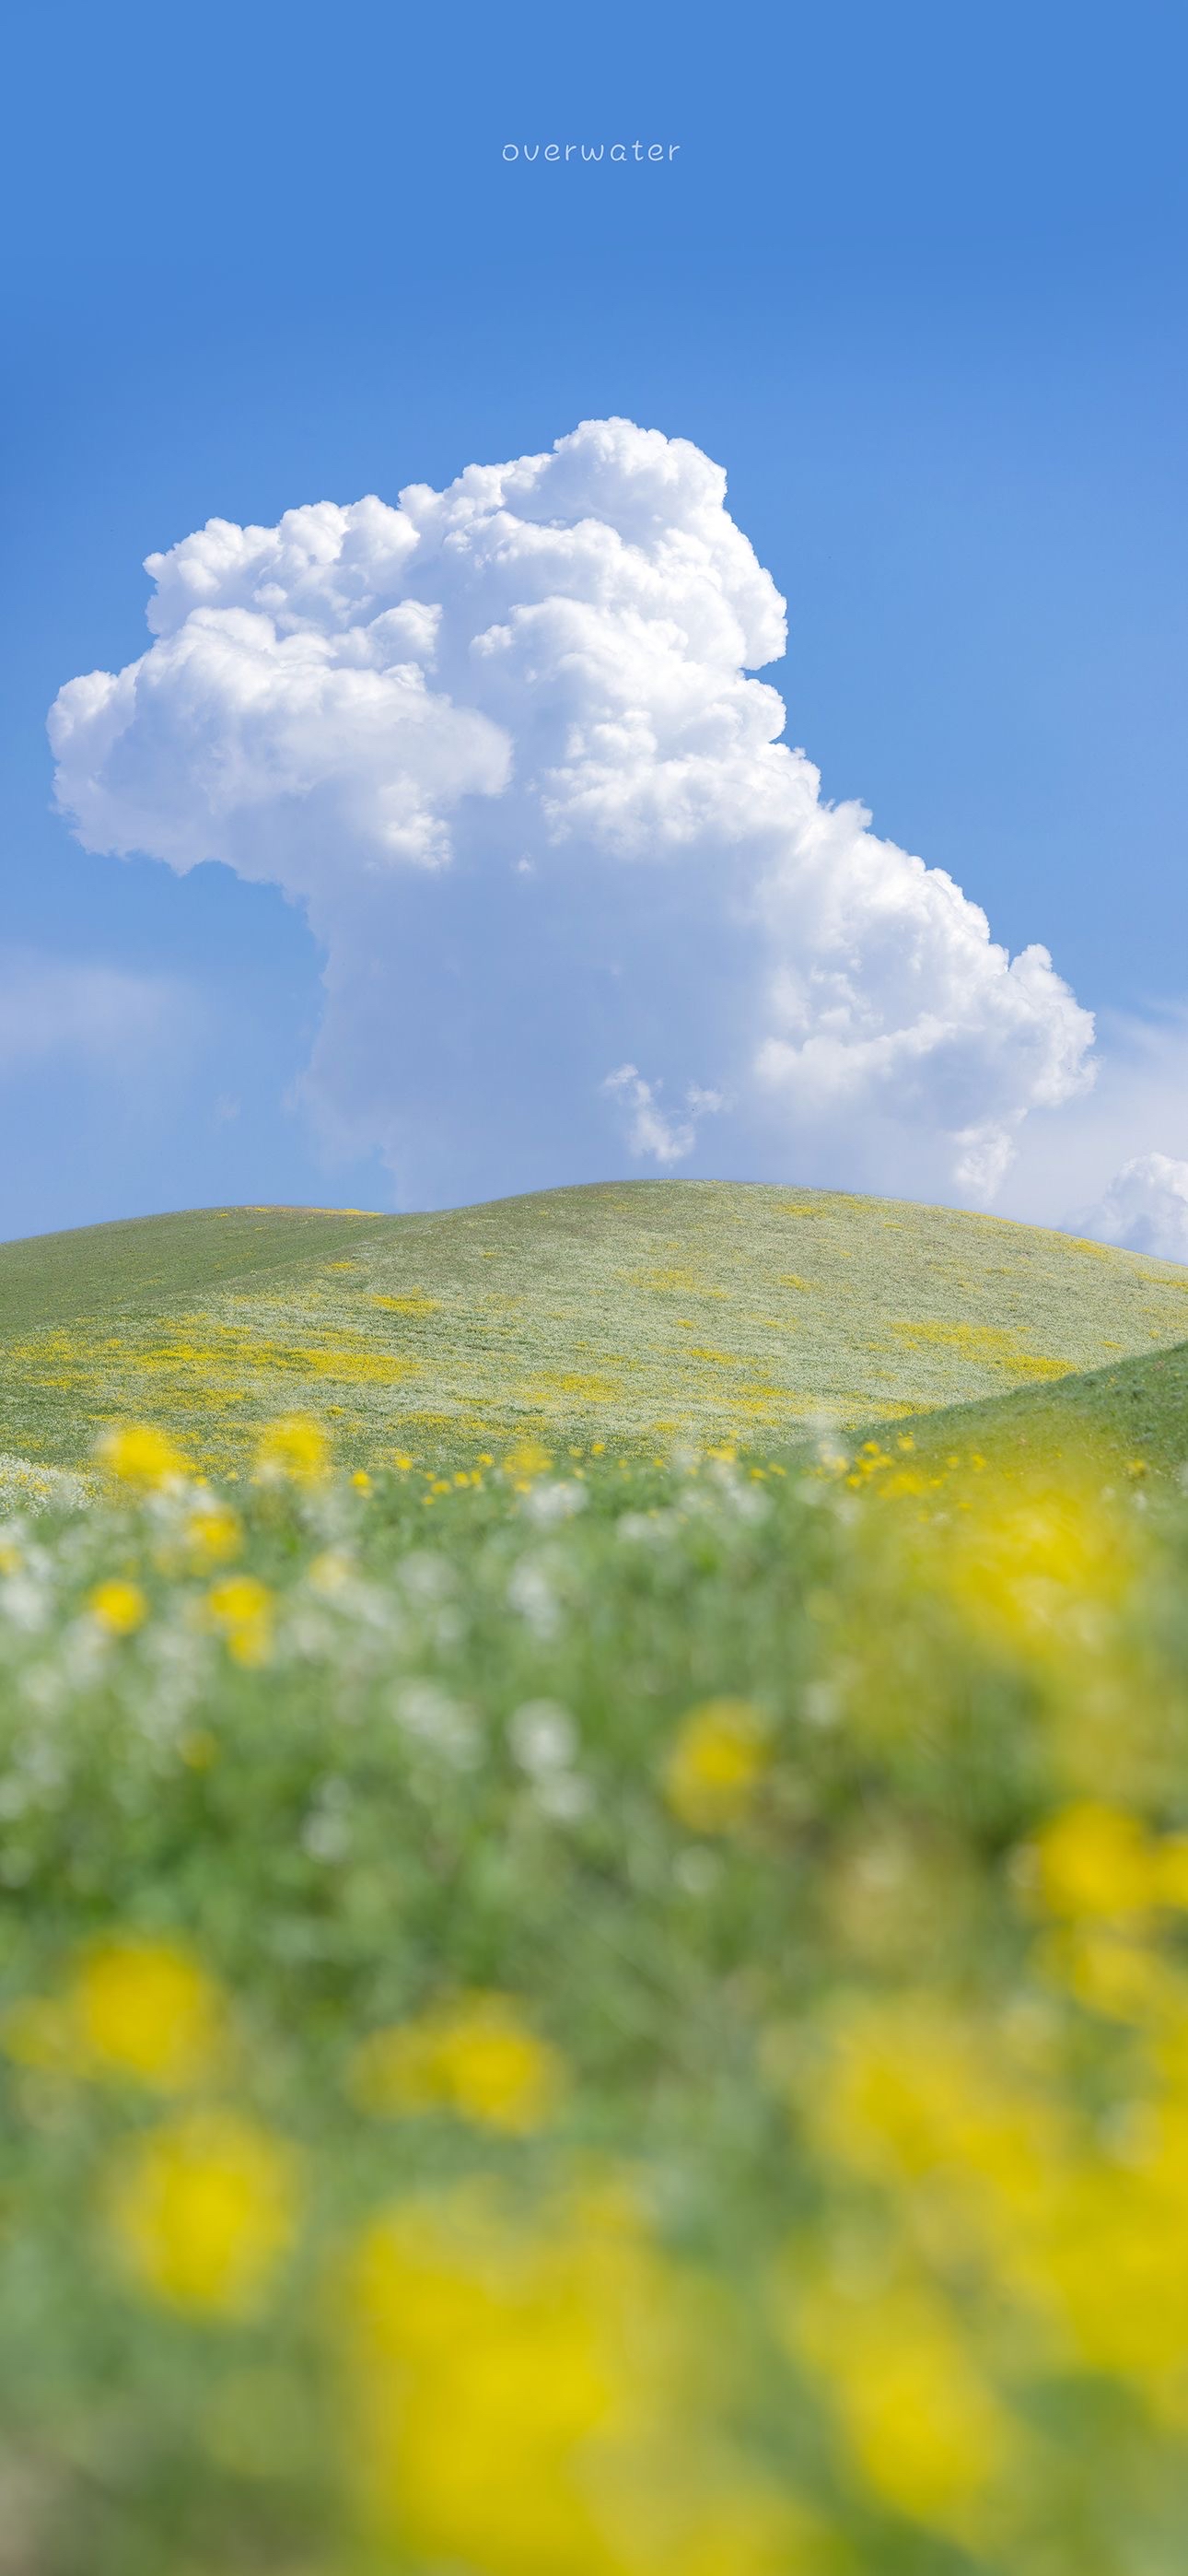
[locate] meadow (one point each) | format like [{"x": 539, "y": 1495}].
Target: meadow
[
  {"x": 595, "y": 2016},
  {"x": 581, "y": 2008},
  {"x": 644, "y": 1314}
]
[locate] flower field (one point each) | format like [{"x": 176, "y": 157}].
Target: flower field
[
  {"x": 594, "y": 2015},
  {"x": 642, "y": 1314}
]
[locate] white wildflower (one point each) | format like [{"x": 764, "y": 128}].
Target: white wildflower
[
  {"x": 548, "y": 1504},
  {"x": 531, "y": 1593},
  {"x": 543, "y": 1736},
  {"x": 429, "y": 1714}
]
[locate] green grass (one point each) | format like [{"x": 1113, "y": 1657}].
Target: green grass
[
  {"x": 849, "y": 2233},
  {"x": 644, "y": 1314},
  {"x": 1135, "y": 1413},
  {"x": 811, "y": 1841}
]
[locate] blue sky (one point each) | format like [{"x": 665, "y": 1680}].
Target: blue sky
[{"x": 914, "y": 279}]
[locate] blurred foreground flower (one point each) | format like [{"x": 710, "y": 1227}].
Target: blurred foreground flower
[
  {"x": 715, "y": 1765},
  {"x": 527, "y": 1460},
  {"x": 293, "y": 1451},
  {"x": 147, "y": 2010},
  {"x": 119, "y": 1607},
  {"x": 1096, "y": 1861},
  {"x": 201, "y": 2211},
  {"x": 141, "y": 1457},
  {"x": 1041, "y": 1564},
  {"x": 212, "y": 1534},
  {"x": 475, "y": 2058},
  {"x": 530, "y": 2400},
  {"x": 138, "y": 2009},
  {"x": 926, "y": 2430},
  {"x": 241, "y": 1609},
  {"x": 1033, "y": 2241}
]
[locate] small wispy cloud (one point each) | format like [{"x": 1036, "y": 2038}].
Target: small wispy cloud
[{"x": 650, "y": 1129}]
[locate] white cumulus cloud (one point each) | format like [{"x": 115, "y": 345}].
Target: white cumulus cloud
[
  {"x": 504, "y": 745},
  {"x": 1145, "y": 1207}
]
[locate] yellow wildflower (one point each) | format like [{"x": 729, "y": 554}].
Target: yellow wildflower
[
  {"x": 483, "y": 2347},
  {"x": 136, "y": 2008},
  {"x": 1094, "y": 1860},
  {"x": 202, "y": 2209},
  {"x": 241, "y": 1610},
  {"x": 527, "y": 1460},
  {"x": 141, "y": 1457},
  {"x": 118, "y": 1606},
  {"x": 1039, "y": 1567},
  {"x": 1087, "y": 2237},
  {"x": 213, "y": 1534},
  {"x": 925, "y": 2428},
  {"x": 526, "y": 2402},
  {"x": 145, "y": 2009},
  {"x": 475, "y": 2058},
  {"x": 293, "y": 1451},
  {"x": 1169, "y": 1871},
  {"x": 361, "y": 1481},
  {"x": 1110, "y": 2264},
  {"x": 714, "y": 1768},
  {"x": 920, "y": 2098},
  {"x": 1114, "y": 1974}
]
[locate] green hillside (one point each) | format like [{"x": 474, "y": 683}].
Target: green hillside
[
  {"x": 634, "y": 1313},
  {"x": 1136, "y": 1412}
]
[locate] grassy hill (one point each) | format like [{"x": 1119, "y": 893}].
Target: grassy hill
[
  {"x": 1136, "y": 1412},
  {"x": 636, "y": 1313}
]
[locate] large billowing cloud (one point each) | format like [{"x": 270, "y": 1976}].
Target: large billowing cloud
[{"x": 578, "y": 901}]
